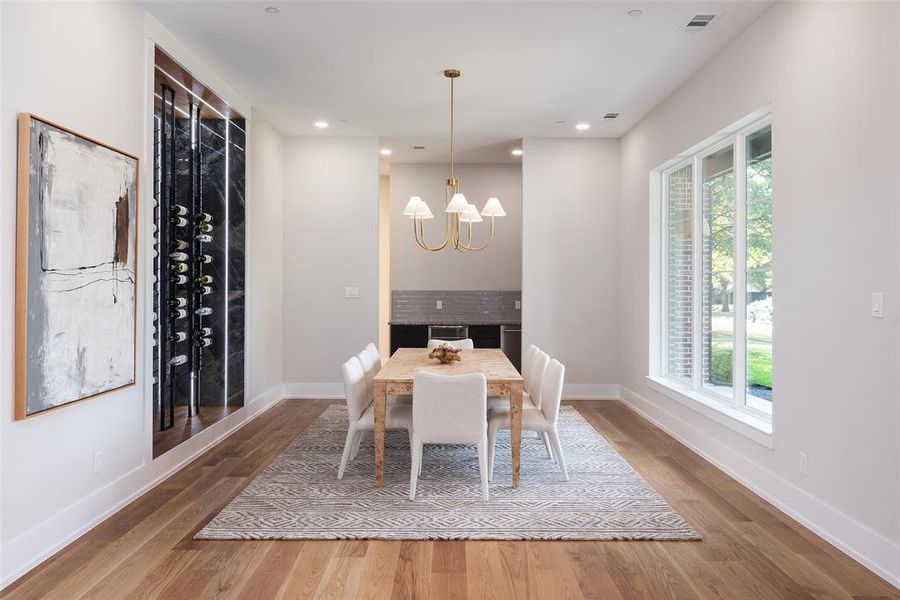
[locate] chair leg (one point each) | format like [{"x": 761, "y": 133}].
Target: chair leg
[
  {"x": 414, "y": 469},
  {"x": 348, "y": 445},
  {"x": 492, "y": 447},
  {"x": 483, "y": 467},
  {"x": 545, "y": 438},
  {"x": 557, "y": 450},
  {"x": 356, "y": 443},
  {"x": 421, "y": 459},
  {"x": 538, "y": 434}
]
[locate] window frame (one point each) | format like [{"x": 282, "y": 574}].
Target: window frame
[{"x": 737, "y": 405}]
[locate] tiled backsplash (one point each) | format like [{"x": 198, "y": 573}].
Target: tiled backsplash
[{"x": 420, "y": 306}]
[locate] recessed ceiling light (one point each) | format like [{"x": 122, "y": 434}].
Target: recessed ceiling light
[
  {"x": 321, "y": 124},
  {"x": 635, "y": 12},
  {"x": 272, "y": 10},
  {"x": 517, "y": 152},
  {"x": 385, "y": 152},
  {"x": 560, "y": 122},
  {"x": 583, "y": 126}
]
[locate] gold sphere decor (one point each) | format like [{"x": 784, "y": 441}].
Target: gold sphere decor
[{"x": 445, "y": 353}]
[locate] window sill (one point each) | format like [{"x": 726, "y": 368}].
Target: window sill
[{"x": 755, "y": 428}]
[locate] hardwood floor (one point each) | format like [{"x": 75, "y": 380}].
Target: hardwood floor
[
  {"x": 750, "y": 549},
  {"x": 185, "y": 427}
]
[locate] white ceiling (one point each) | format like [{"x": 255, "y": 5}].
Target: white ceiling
[{"x": 375, "y": 68}]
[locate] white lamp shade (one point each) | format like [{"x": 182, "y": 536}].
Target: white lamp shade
[
  {"x": 458, "y": 204},
  {"x": 470, "y": 215},
  {"x": 412, "y": 207},
  {"x": 493, "y": 208},
  {"x": 425, "y": 212}
]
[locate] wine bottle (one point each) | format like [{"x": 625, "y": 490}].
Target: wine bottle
[
  {"x": 179, "y": 267},
  {"x": 178, "y": 360},
  {"x": 178, "y": 336},
  {"x": 180, "y": 222},
  {"x": 205, "y": 331},
  {"x": 204, "y": 218},
  {"x": 205, "y": 227},
  {"x": 205, "y": 238},
  {"x": 182, "y": 256},
  {"x": 204, "y": 258},
  {"x": 181, "y": 245},
  {"x": 205, "y": 290},
  {"x": 179, "y": 279},
  {"x": 205, "y": 279},
  {"x": 179, "y": 210},
  {"x": 204, "y": 311},
  {"x": 178, "y": 313},
  {"x": 204, "y": 342},
  {"x": 178, "y": 302}
]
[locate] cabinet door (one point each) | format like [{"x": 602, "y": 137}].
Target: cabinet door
[
  {"x": 408, "y": 336},
  {"x": 485, "y": 336}
]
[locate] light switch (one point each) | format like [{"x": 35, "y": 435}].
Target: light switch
[
  {"x": 351, "y": 292},
  {"x": 439, "y": 305},
  {"x": 877, "y": 305},
  {"x": 518, "y": 305}
]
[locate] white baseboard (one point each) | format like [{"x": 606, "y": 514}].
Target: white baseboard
[
  {"x": 861, "y": 543},
  {"x": 335, "y": 391},
  {"x": 314, "y": 391},
  {"x": 26, "y": 551},
  {"x": 590, "y": 391}
]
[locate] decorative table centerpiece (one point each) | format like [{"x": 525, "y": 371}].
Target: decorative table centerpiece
[{"x": 445, "y": 353}]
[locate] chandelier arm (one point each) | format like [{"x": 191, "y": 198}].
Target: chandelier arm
[
  {"x": 469, "y": 248},
  {"x": 420, "y": 237}
]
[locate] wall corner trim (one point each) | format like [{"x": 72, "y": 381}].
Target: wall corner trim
[
  {"x": 864, "y": 545},
  {"x": 28, "y": 550}
]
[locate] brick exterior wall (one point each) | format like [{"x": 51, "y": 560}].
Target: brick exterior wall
[{"x": 680, "y": 276}]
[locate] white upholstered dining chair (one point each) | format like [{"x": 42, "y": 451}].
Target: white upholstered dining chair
[
  {"x": 360, "y": 412},
  {"x": 466, "y": 344},
  {"x": 449, "y": 410},
  {"x": 371, "y": 362},
  {"x": 542, "y": 420}
]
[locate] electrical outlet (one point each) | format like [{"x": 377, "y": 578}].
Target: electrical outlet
[
  {"x": 98, "y": 463},
  {"x": 351, "y": 292},
  {"x": 439, "y": 305},
  {"x": 877, "y": 305},
  {"x": 804, "y": 465},
  {"x": 518, "y": 305}
]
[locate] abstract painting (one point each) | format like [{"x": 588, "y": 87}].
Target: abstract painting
[{"x": 75, "y": 267}]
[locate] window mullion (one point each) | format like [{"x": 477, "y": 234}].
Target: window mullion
[
  {"x": 697, "y": 274},
  {"x": 663, "y": 354},
  {"x": 739, "y": 355}
]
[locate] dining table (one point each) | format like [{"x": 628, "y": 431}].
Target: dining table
[{"x": 396, "y": 378}]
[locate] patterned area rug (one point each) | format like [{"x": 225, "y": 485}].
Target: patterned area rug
[{"x": 299, "y": 496}]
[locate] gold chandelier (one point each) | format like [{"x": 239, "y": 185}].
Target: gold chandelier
[{"x": 459, "y": 214}]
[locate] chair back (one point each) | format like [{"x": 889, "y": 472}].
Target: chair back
[
  {"x": 372, "y": 349},
  {"x": 551, "y": 390},
  {"x": 369, "y": 368},
  {"x": 355, "y": 390},
  {"x": 449, "y": 408},
  {"x": 538, "y": 368},
  {"x": 526, "y": 363},
  {"x": 466, "y": 344}
]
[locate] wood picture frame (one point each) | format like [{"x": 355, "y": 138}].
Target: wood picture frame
[{"x": 34, "y": 208}]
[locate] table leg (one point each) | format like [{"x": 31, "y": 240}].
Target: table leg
[
  {"x": 380, "y": 399},
  {"x": 515, "y": 411}
]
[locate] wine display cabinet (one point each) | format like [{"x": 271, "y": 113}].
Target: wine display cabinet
[{"x": 199, "y": 179}]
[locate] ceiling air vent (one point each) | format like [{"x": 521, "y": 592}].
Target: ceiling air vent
[
  {"x": 610, "y": 115},
  {"x": 698, "y": 22}
]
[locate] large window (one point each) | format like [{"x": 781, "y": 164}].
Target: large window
[{"x": 716, "y": 309}]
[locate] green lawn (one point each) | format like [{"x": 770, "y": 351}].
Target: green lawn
[{"x": 759, "y": 360}]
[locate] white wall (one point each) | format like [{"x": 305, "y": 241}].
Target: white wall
[
  {"x": 265, "y": 286},
  {"x": 98, "y": 82},
  {"x": 330, "y": 242},
  {"x": 570, "y": 272},
  {"x": 830, "y": 71},
  {"x": 499, "y": 267}
]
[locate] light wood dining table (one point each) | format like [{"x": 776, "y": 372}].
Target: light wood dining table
[{"x": 396, "y": 377}]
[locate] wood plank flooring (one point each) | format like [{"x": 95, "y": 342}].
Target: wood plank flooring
[{"x": 750, "y": 549}]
